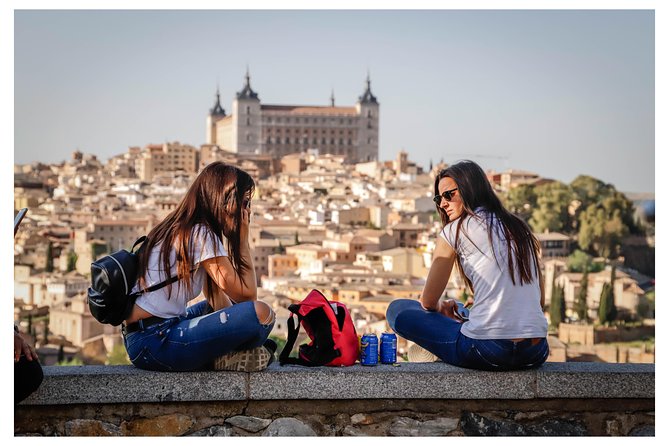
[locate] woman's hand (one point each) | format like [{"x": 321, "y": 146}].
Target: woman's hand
[
  {"x": 244, "y": 226},
  {"x": 448, "y": 308},
  {"x": 21, "y": 346}
]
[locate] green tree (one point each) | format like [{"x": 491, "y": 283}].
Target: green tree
[
  {"x": 588, "y": 190},
  {"x": 71, "y": 362},
  {"x": 581, "y": 303},
  {"x": 646, "y": 306},
  {"x": 602, "y": 226},
  {"x": 61, "y": 354},
  {"x": 97, "y": 249},
  {"x": 557, "y": 309},
  {"x": 521, "y": 200},
  {"x": 552, "y": 209},
  {"x": 72, "y": 261},
  {"x": 118, "y": 356},
  {"x": 46, "y": 331},
  {"x": 607, "y": 308},
  {"x": 580, "y": 261},
  {"x": 49, "y": 257}
]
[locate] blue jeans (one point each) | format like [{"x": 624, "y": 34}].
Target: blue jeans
[
  {"x": 192, "y": 342},
  {"x": 441, "y": 336}
]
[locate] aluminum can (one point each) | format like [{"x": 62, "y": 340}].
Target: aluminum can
[
  {"x": 388, "y": 348},
  {"x": 369, "y": 349}
]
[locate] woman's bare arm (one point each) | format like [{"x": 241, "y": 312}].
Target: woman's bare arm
[{"x": 443, "y": 259}]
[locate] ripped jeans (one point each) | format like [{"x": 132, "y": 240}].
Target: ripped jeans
[
  {"x": 441, "y": 336},
  {"x": 192, "y": 342}
]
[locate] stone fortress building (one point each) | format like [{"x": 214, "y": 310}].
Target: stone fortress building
[{"x": 278, "y": 130}]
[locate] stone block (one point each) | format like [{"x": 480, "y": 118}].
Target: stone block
[
  {"x": 250, "y": 424},
  {"x": 165, "y": 425},
  {"x": 595, "y": 380},
  {"x": 408, "y": 427},
  {"x": 406, "y": 380},
  {"x": 288, "y": 427},
  {"x": 91, "y": 428},
  {"x": 128, "y": 384}
]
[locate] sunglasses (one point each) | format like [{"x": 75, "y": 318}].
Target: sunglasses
[{"x": 447, "y": 195}]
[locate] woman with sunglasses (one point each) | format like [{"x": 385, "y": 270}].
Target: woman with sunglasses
[
  {"x": 498, "y": 257},
  {"x": 204, "y": 243}
]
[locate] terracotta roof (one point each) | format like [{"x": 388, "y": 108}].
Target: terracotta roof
[
  {"x": 121, "y": 222},
  {"x": 310, "y": 110}
]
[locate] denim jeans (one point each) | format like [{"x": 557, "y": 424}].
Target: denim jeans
[
  {"x": 441, "y": 336},
  {"x": 192, "y": 342}
]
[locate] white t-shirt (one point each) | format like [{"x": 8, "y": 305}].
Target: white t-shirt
[
  {"x": 159, "y": 303},
  {"x": 501, "y": 309}
]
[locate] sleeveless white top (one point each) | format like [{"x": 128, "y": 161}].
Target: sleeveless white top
[{"x": 501, "y": 309}]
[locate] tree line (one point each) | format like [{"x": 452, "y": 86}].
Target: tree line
[{"x": 594, "y": 212}]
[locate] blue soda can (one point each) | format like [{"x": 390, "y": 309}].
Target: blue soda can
[
  {"x": 388, "y": 348},
  {"x": 369, "y": 349}
]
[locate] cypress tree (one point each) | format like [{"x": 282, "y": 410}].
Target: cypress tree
[
  {"x": 49, "y": 258},
  {"x": 607, "y": 308},
  {"x": 61, "y": 354},
  {"x": 46, "y": 331},
  {"x": 557, "y": 308},
  {"x": 581, "y": 304}
]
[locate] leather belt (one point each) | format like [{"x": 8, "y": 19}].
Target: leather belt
[{"x": 142, "y": 324}]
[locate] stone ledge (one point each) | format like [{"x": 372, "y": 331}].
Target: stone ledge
[{"x": 127, "y": 384}]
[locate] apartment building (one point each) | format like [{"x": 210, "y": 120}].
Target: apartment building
[{"x": 166, "y": 159}]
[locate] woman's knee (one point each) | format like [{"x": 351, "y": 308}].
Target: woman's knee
[
  {"x": 264, "y": 312},
  {"x": 395, "y": 308}
]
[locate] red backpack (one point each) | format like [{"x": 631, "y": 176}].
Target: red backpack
[{"x": 334, "y": 341}]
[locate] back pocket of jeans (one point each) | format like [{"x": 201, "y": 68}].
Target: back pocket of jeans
[{"x": 145, "y": 360}]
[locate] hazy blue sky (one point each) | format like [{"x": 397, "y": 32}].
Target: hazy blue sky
[{"x": 560, "y": 93}]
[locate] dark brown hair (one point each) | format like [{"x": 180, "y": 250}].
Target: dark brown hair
[
  {"x": 214, "y": 200},
  {"x": 475, "y": 191}
]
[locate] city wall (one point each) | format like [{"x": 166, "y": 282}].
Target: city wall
[{"x": 408, "y": 399}]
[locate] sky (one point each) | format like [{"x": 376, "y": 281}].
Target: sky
[{"x": 556, "y": 92}]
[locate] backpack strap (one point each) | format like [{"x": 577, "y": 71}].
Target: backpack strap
[
  {"x": 293, "y": 331},
  {"x": 157, "y": 286},
  {"x": 139, "y": 241}
]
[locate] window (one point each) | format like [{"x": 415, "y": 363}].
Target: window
[
  {"x": 248, "y": 121},
  {"x": 248, "y": 110}
]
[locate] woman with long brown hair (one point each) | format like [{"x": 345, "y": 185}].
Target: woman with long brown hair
[
  {"x": 204, "y": 244},
  {"x": 498, "y": 257}
]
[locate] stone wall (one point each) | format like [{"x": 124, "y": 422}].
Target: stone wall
[{"x": 410, "y": 399}]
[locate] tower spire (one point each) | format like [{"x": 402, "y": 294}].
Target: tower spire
[
  {"x": 367, "y": 97},
  {"x": 217, "y": 109},
  {"x": 332, "y": 99},
  {"x": 247, "y": 92}
]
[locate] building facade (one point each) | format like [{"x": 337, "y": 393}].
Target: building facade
[{"x": 278, "y": 130}]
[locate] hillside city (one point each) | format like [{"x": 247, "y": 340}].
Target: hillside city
[
  {"x": 326, "y": 214},
  {"x": 361, "y": 233}
]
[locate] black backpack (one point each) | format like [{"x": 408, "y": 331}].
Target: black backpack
[{"x": 110, "y": 297}]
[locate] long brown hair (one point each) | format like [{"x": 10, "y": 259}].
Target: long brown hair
[
  {"x": 215, "y": 200},
  {"x": 475, "y": 191}
]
